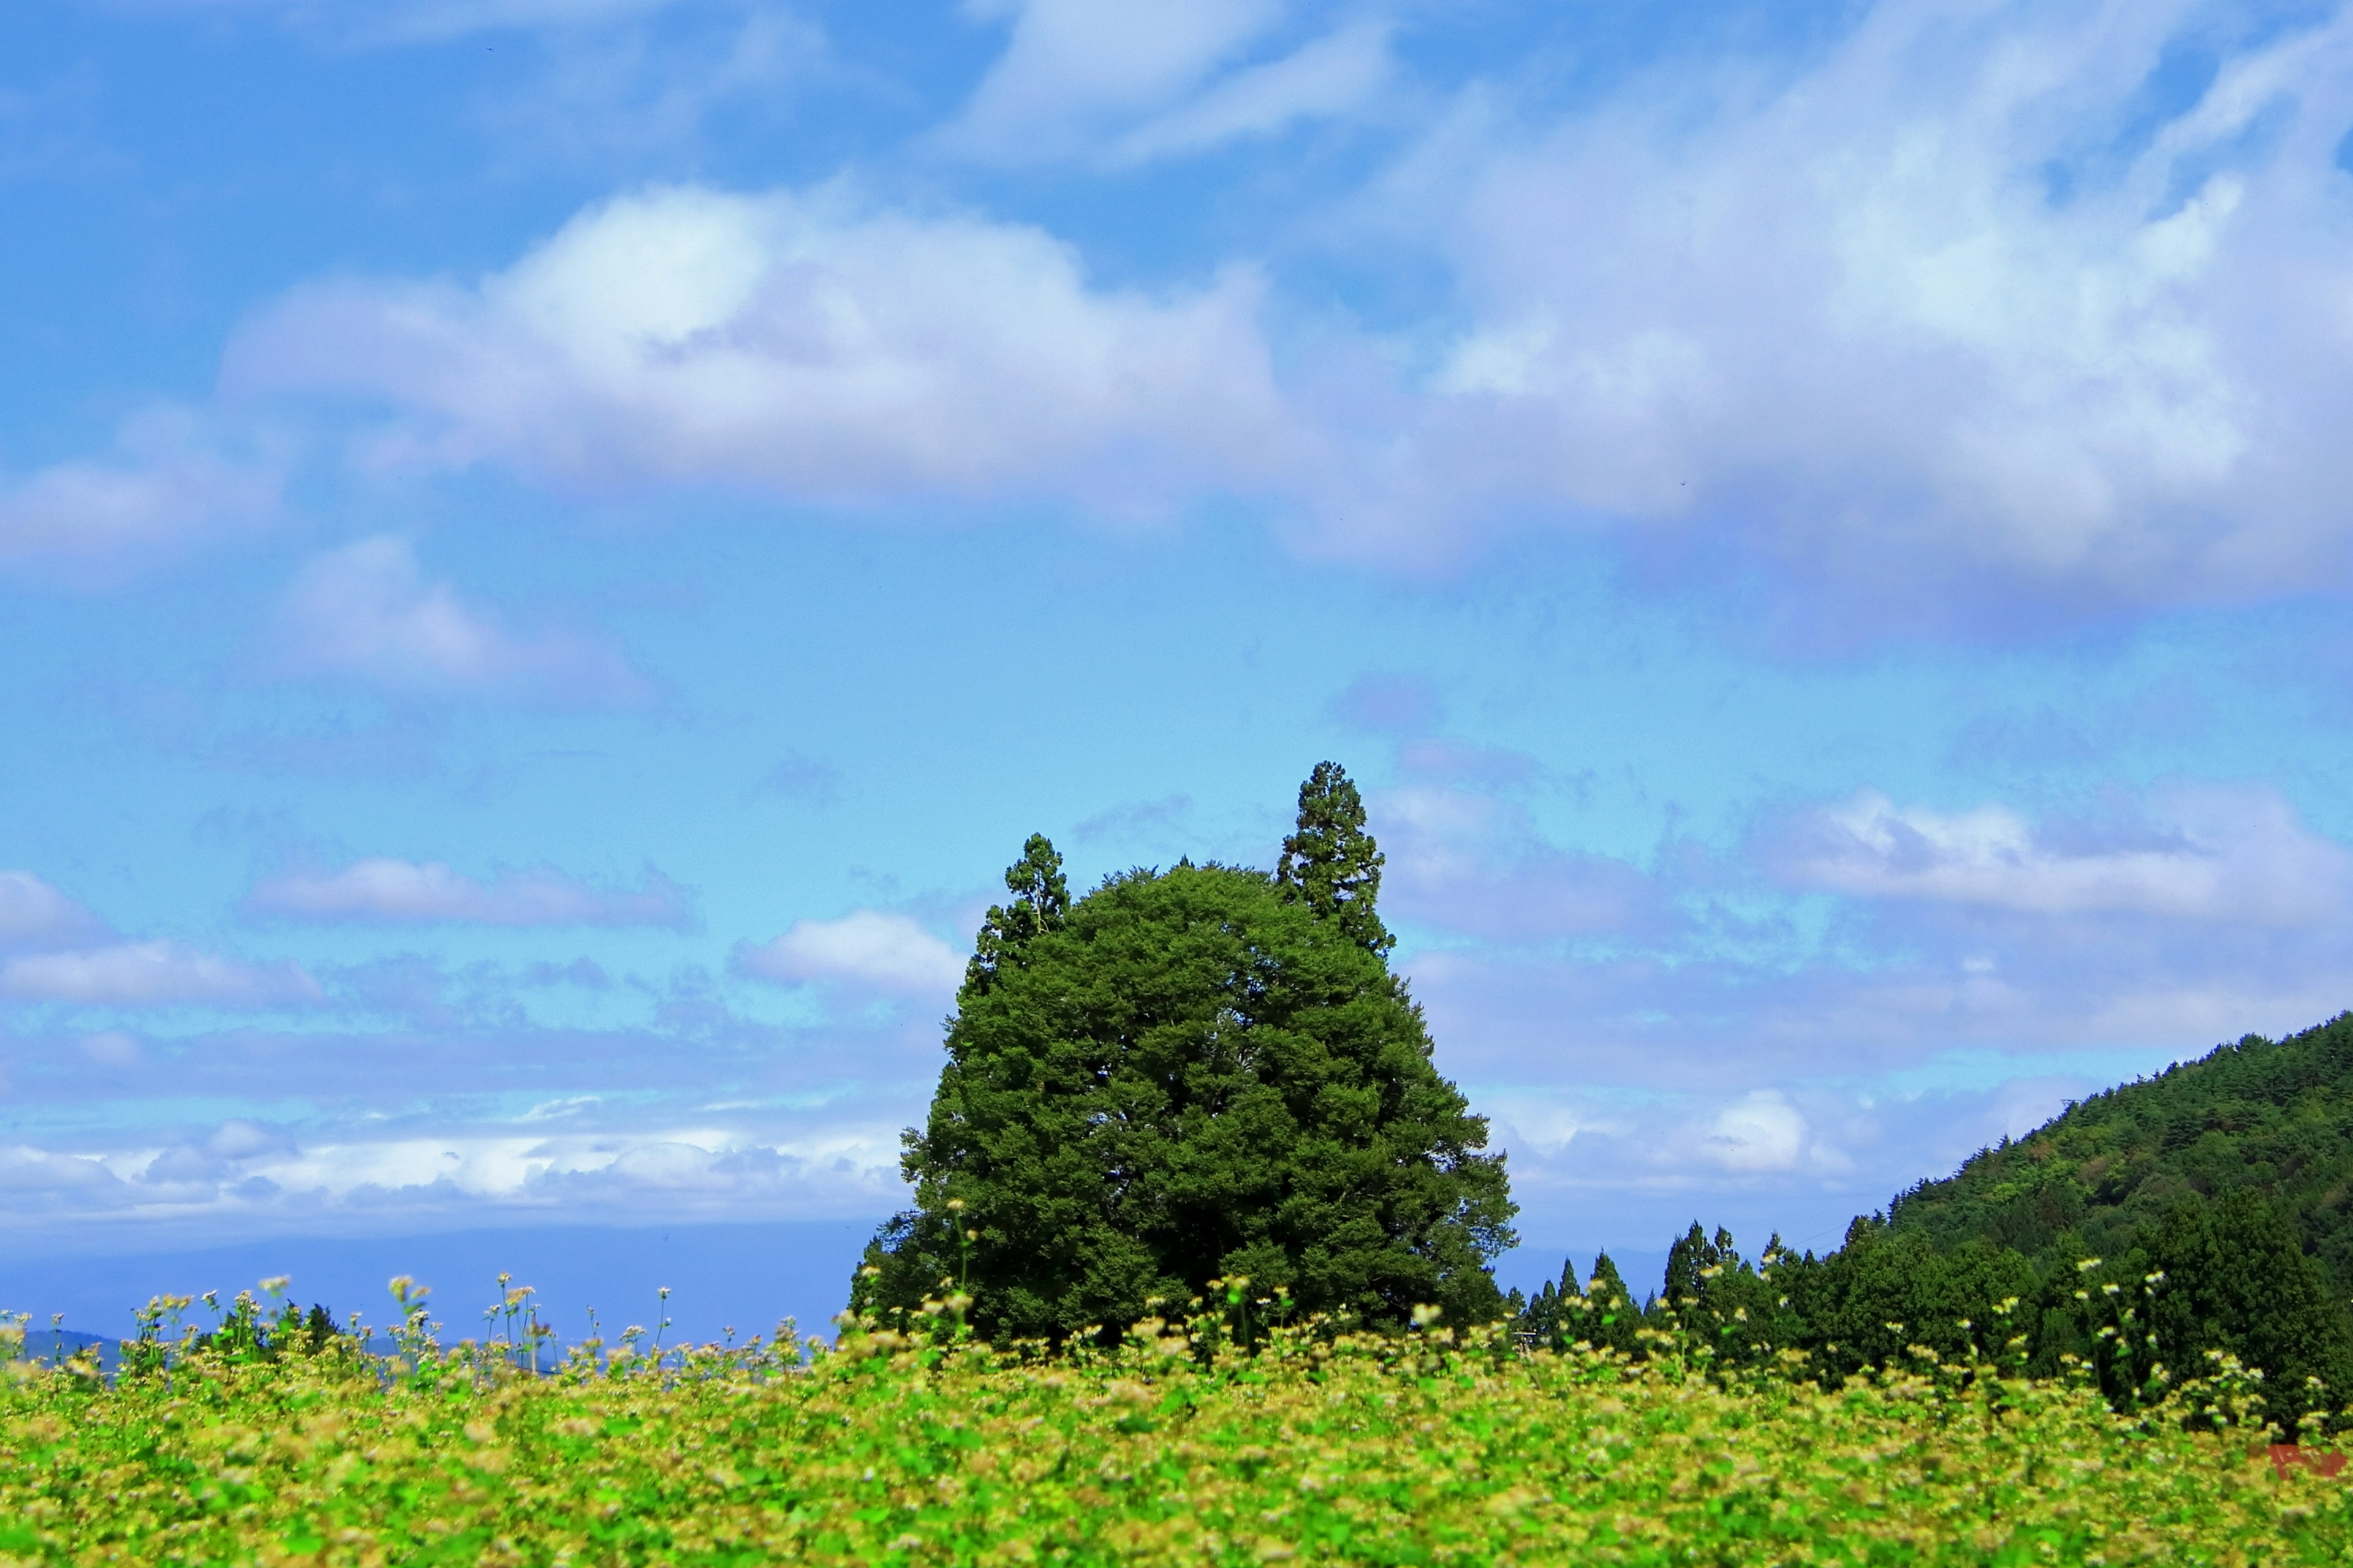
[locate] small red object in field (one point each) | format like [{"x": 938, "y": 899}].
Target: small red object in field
[{"x": 2286, "y": 1457}]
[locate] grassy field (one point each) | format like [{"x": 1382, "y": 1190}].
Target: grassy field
[{"x": 1367, "y": 1449}]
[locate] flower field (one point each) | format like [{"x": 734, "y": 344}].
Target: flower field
[{"x": 1376, "y": 1449}]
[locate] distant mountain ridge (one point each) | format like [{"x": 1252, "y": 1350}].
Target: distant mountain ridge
[
  {"x": 55, "y": 1346},
  {"x": 2274, "y": 1118}
]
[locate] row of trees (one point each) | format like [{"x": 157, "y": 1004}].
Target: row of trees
[{"x": 2223, "y": 1277}]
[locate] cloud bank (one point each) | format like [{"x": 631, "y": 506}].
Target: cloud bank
[{"x": 1966, "y": 297}]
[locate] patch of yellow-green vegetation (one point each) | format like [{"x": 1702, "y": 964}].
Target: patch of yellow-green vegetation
[{"x": 1376, "y": 1449}]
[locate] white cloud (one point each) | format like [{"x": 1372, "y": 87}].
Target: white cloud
[
  {"x": 1846, "y": 317},
  {"x": 2202, "y": 854},
  {"x": 380, "y": 888},
  {"x": 366, "y": 612},
  {"x": 801, "y": 342},
  {"x": 864, "y": 948},
  {"x": 153, "y": 975},
  {"x": 173, "y": 483},
  {"x": 34, "y": 914},
  {"x": 1761, "y": 1131}
]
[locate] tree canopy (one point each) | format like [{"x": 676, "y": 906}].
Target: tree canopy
[{"x": 1188, "y": 1075}]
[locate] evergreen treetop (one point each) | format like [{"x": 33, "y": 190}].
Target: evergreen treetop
[
  {"x": 1040, "y": 903},
  {"x": 1330, "y": 862}
]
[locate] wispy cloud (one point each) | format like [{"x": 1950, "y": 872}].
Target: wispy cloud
[
  {"x": 175, "y": 481},
  {"x": 867, "y": 949},
  {"x": 1465, "y": 862},
  {"x": 367, "y": 613},
  {"x": 381, "y": 889},
  {"x": 1070, "y": 66},
  {"x": 1327, "y": 77},
  {"x": 34, "y": 914},
  {"x": 153, "y": 975},
  {"x": 1156, "y": 79}
]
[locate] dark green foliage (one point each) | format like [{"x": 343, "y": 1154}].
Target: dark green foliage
[
  {"x": 2274, "y": 1119},
  {"x": 1883, "y": 1292},
  {"x": 1041, "y": 901},
  {"x": 1330, "y": 863},
  {"x": 2235, "y": 1280},
  {"x": 2227, "y": 1176},
  {"x": 1185, "y": 1076},
  {"x": 1739, "y": 1310}
]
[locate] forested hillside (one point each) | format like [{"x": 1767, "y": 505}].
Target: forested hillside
[
  {"x": 2137, "y": 1237},
  {"x": 2272, "y": 1117}
]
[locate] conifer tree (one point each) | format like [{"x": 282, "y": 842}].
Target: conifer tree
[
  {"x": 1330, "y": 862},
  {"x": 1041, "y": 902},
  {"x": 2235, "y": 1279},
  {"x": 1616, "y": 1318},
  {"x": 1188, "y": 1075}
]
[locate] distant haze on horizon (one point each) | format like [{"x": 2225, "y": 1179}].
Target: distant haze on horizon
[{"x": 550, "y": 552}]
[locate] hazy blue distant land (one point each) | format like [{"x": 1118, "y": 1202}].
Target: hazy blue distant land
[{"x": 745, "y": 1276}]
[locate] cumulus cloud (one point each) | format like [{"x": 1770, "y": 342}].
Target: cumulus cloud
[
  {"x": 153, "y": 975},
  {"x": 379, "y": 889},
  {"x": 801, "y": 341},
  {"x": 865, "y": 948},
  {"x": 1961, "y": 309},
  {"x": 1760, "y": 1131},
  {"x": 367, "y": 612},
  {"x": 34, "y": 914},
  {"x": 1964, "y": 298},
  {"x": 174, "y": 482},
  {"x": 2206, "y": 854}
]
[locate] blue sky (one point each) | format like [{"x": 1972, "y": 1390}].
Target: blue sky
[{"x": 552, "y": 550}]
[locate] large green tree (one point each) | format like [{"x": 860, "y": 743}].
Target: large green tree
[{"x": 1185, "y": 1075}]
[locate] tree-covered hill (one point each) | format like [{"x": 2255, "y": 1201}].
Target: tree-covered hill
[
  {"x": 2136, "y": 1238},
  {"x": 2271, "y": 1117}
]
